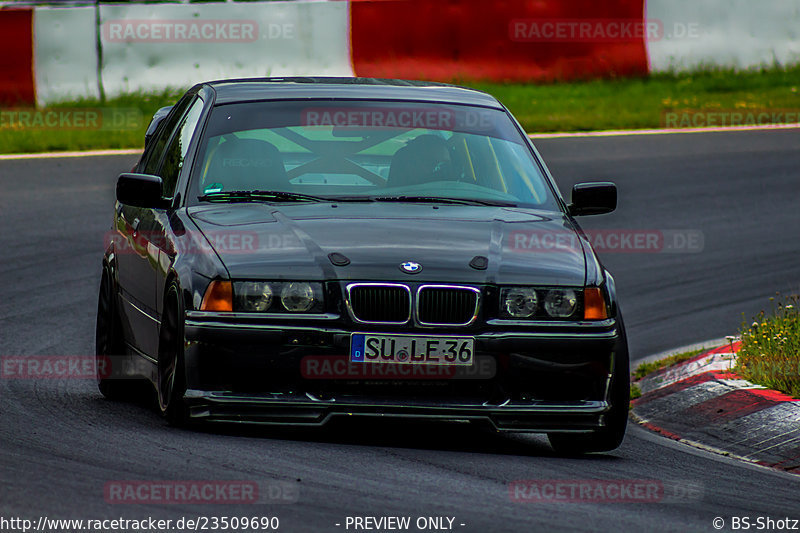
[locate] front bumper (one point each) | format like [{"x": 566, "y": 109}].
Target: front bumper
[
  {"x": 308, "y": 410},
  {"x": 531, "y": 377}
]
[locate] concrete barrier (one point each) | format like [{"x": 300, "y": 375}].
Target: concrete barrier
[
  {"x": 147, "y": 47},
  {"x": 65, "y": 51},
  {"x": 736, "y": 34}
]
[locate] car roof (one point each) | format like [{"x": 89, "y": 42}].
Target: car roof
[{"x": 264, "y": 89}]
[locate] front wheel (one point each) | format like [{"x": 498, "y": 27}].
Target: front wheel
[
  {"x": 171, "y": 367},
  {"x": 610, "y": 436}
]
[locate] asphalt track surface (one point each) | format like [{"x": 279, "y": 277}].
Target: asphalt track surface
[{"x": 62, "y": 442}]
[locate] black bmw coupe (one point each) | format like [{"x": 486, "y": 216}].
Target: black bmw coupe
[{"x": 291, "y": 250}]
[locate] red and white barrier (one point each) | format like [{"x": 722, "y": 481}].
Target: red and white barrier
[{"x": 53, "y": 53}]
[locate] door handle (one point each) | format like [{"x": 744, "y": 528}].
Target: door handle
[{"x": 135, "y": 224}]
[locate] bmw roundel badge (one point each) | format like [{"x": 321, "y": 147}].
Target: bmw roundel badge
[{"x": 410, "y": 267}]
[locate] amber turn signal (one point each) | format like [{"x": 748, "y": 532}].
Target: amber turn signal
[
  {"x": 594, "y": 305},
  {"x": 218, "y": 297}
]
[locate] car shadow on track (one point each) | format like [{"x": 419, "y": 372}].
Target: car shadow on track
[
  {"x": 372, "y": 432},
  {"x": 440, "y": 436}
]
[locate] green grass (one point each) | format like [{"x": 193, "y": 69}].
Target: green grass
[
  {"x": 648, "y": 368},
  {"x": 770, "y": 352},
  {"x": 636, "y": 392},
  {"x": 641, "y": 103},
  {"x": 638, "y": 103},
  {"x": 136, "y": 110}
]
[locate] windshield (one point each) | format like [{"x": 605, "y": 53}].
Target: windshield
[{"x": 367, "y": 151}]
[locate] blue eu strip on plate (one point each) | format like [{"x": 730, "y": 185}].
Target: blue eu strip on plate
[{"x": 357, "y": 348}]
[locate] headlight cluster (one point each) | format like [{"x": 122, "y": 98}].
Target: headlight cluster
[
  {"x": 529, "y": 302},
  {"x": 277, "y": 297}
]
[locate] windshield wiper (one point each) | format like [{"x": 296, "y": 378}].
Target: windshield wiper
[
  {"x": 442, "y": 200},
  {"x": 259, "y": 196},
  {"x": 283, "y": 196}
]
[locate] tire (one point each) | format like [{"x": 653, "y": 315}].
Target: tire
[
  {"x": 610, "y": 436},
  {"x": 110, "y": 346},
  {"x": 171, "y": 367}
]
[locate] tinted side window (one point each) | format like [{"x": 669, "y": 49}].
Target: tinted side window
[
  {"x": 162, "y": 136},
  {"x": 179, "y": 146}
]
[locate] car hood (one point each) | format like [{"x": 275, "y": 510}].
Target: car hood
[{"x": 262, "y": 241}]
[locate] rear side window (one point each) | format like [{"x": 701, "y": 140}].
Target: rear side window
[
  {"x": 153, "y": 157},
  {"x": 179, "y": 146}
]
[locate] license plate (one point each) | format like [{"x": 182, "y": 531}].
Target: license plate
[{"x": 411, "y": 349}]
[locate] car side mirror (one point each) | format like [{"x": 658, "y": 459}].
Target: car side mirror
[
  {"x": 593, "y": 198},
  {"x": 158, "y": 118},
  {"x": 140, "y": 190}
]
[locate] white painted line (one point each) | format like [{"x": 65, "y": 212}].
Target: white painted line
[
  {"x": 89, "y": 153},
  {"x": 778, "y": 444},
  {"x": 703, "y": 450},
  {"x": 720, "y": 454},
  {"x": 712, "y": 449},
  {"x": 661, "y": 131},
  {"x": 763, "y": 427}
]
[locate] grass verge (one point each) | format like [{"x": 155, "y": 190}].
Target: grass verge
[
  {"x": 770, "y": 352},
  {"x": 85, "y": 124},
  {"x": 642, "y": 103},
  {"x": 636, "y": 392},
  {"x": 648, "y": 368},
  {"x": 639, "y": 103}
]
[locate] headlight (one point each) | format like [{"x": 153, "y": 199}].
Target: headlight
[
  {"x": 253, "y": 296},
  {"x": 263, "y": 297},
  {"x": 298, "y": 296},
  {"x": 560, "y": 303},
  {"x": 540, "y": 303},
  {"x": 519, "y": 302}
]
